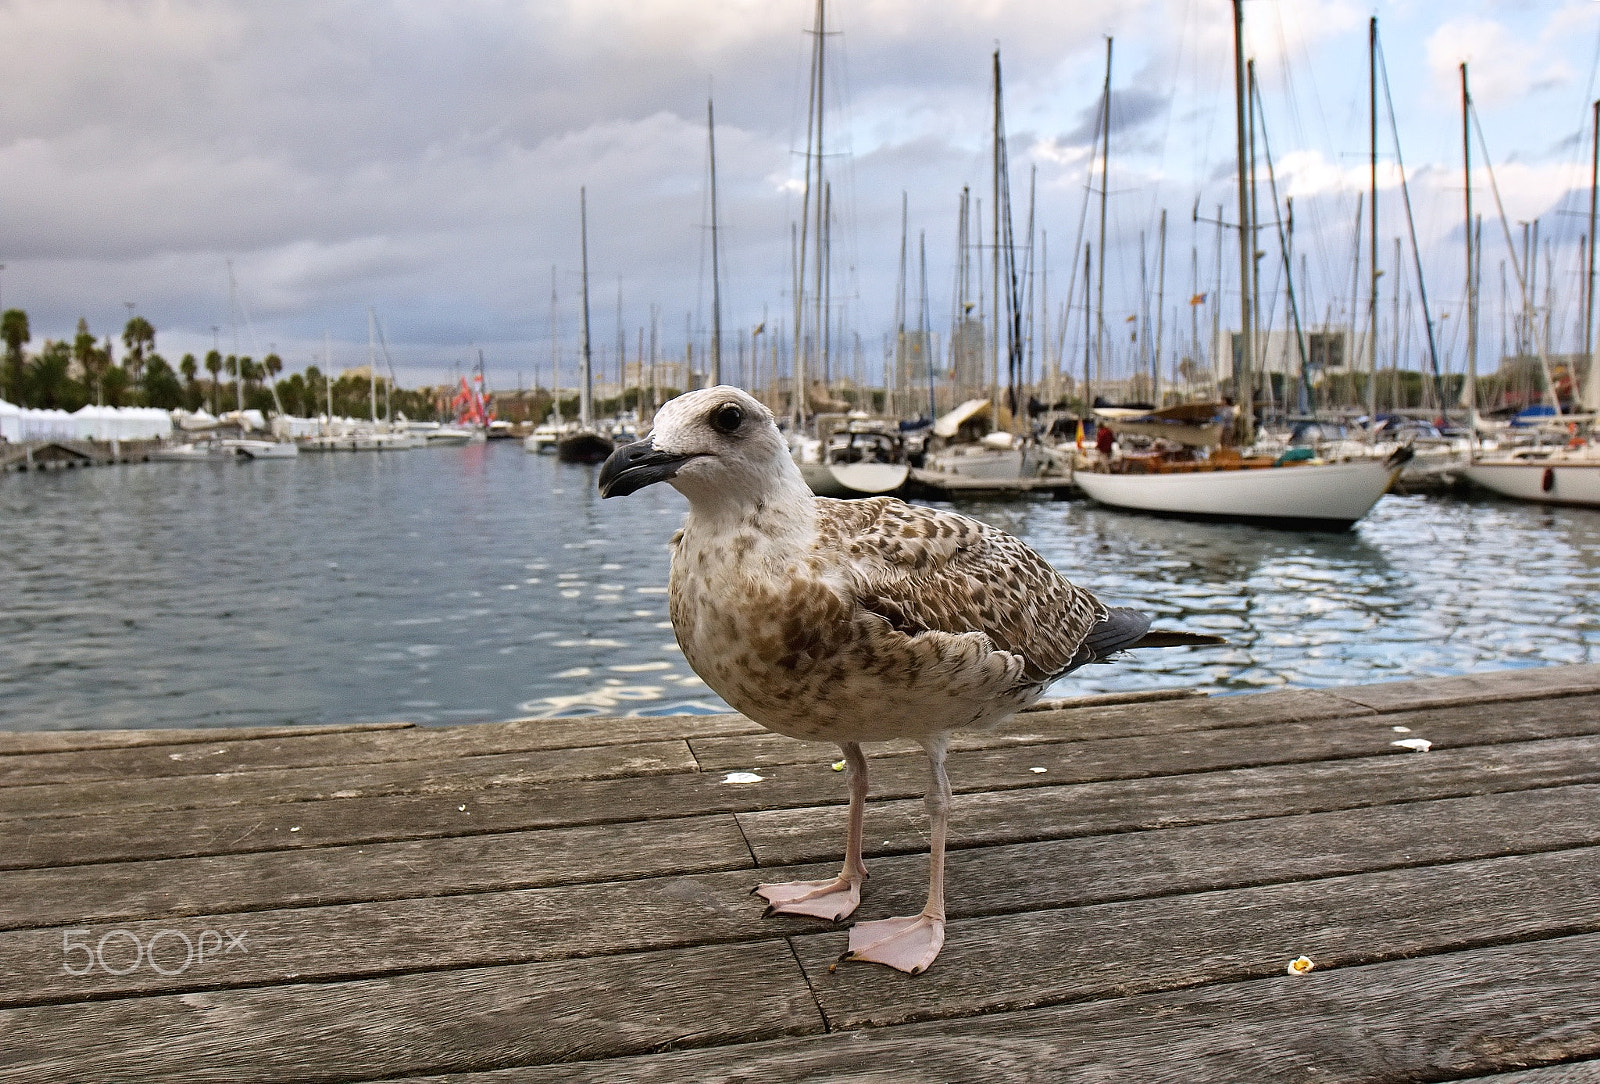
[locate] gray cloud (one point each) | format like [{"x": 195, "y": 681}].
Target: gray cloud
[{"x": 426, "y": 159}]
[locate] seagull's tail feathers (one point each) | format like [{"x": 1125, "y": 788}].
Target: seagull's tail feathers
[
  {"x": 1123, "y": 629},
  {"x": 1175, "y": 638},
  {"x": 1120, "y": 628}
]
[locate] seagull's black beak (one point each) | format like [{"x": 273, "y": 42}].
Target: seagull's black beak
[{"x": 634, "y": 466}]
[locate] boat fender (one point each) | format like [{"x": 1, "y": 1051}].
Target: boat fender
[{"x": 1548, "y": 482}]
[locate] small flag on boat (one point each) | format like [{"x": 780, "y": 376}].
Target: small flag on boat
[
  {"x": 1131, "y": 319},
  {"x": 1198, "y": 299}
]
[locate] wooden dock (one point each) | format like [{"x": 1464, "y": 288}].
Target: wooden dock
[{"x": 567, "y": 900}]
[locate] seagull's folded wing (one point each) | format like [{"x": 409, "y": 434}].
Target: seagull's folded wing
[{"x": 925, "y": 570}]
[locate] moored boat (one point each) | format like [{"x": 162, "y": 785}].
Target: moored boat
[
  {"x": 585, "y": 445},
  {"x": 1548, "y": 476},
  {"x": 1303, "y": 495}
]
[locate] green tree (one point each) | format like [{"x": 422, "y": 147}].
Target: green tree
[
  {"x": 138, "y": 336},
  {"x": 47, "y": 382},
  {"x": 161, "y": 386},
  {"x": 115, "y": 385},
  {"x": 86, "y": 356},
  {"x": 14, "y": 329},
  {"x": 190, "y": 369},
  {"x": 315, "y": 382},
  {"x": 214, "y": 367}
]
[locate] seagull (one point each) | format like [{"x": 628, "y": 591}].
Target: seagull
[{"x": 856, "y": 621}]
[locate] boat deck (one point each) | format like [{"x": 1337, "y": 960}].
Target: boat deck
[{"x": 568, "y": 899}]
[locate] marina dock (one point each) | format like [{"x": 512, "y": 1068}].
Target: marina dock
[{"x": 567, "y": 900}]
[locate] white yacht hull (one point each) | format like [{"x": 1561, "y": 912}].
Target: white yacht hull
[
  {"x": 1311, "y": 496},
  {"x": 183, "y": 453},
  {"x": 257, "y": 449},
  {"x": 846, "y": 480},
  {"x": 1545, "y": 481}
]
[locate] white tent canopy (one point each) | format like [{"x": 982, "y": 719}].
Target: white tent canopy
[{"x": 19, "y": 424}]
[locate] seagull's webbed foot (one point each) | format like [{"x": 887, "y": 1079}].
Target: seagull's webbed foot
[
  {"x": 833, "y": 900},
  {"x": 906, "y": 944}
]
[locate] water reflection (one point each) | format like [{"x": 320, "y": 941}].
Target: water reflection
[{"x": 480, "y": 583}]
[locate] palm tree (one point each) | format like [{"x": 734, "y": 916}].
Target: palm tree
[
  {"x": 138, "y": 337},
  {"x": 90, "y": 358},
  {"x": 190, "y": 369},
  {"x": 49, "y": 385},
  {"x": 14, "y": 329},
  {"x": 214, "y": 367}
]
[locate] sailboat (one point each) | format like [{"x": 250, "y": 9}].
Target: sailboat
[
  {"x": 586, "y": 444},
  {"x": 1565, "y": 473},
  {"x": 1282, "y": 491},
  {"x": 1004, "y": 460}
]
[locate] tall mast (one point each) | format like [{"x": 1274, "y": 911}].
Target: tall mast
[
  {"x": 994, "y": 353},
  {"x": 1470, "y": 392},
  {"x": 716, "y": 282},
  {"x": 586, "y": 389},
  {"x": 555, "y": 353},
  {"x": 372, "y": 362},
  {"x": 1046, "y": 372},
  {"x": 1243, "y": 377},
  {"x": 1088, "y": 333},
  {"x": 1372, "y": 199},
  {"x": 1100, "y": 276},
  {"x": 1591, "y": 386},
  {"x": 924, "y": 322},
  {"x": 1161, "y": 301},
  {"x": 1260, "y": 377},
  {"x": 233, "y": 319},
  {"x": 812, "y": 188},
  {"x": 825, "y": 294},
  {"x": 901, "y": 367},
  {"x": 819, "y": 323}
]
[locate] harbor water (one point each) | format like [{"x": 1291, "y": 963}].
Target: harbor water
[{"x": 480, "y": 583}]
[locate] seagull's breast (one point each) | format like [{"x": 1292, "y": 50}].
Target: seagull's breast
[{"x": 774, "y": 629}]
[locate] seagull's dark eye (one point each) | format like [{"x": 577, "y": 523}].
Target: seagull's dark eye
[{"x": 727, "y": 418}]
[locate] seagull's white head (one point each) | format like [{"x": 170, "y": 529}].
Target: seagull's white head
[{"x": 719, "y": 447}]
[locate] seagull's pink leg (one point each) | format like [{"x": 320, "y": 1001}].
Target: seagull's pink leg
[
  {"x": 837, "y": 898},
  {"x": 911, "y": 944}
]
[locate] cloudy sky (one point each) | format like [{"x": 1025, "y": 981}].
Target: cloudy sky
[{"x": 425, "y": 159}]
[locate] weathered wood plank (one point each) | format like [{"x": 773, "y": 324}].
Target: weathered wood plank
[
  {"x": 1039, "y": 879},
  {"x": 286, "y": 746},
  {"x": 1042, "y": 957},
  {"x": 785, "y": 836},
  {"x": 320, "y": 747},
  {"x": 73, "y": 895},
  {"x": 419, "y": 1023},
  {"x": 1201, "y": 748},
  {"x": 985, "y": 879},
  {"x": 30, "y": 742},
  {"x": 1066, "y": 761},
  {"x": 1533, "y": 683},
  {"x": 1572, "y": 1072},
  {"x": 787, "y": 799},
  {"x": 1129, "y": 696},
  {"x": 471, "y": 775},
  {"x": 1442, "y": 1017}
]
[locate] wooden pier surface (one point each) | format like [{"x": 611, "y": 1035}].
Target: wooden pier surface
[{"x": 568, "y": 900}]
